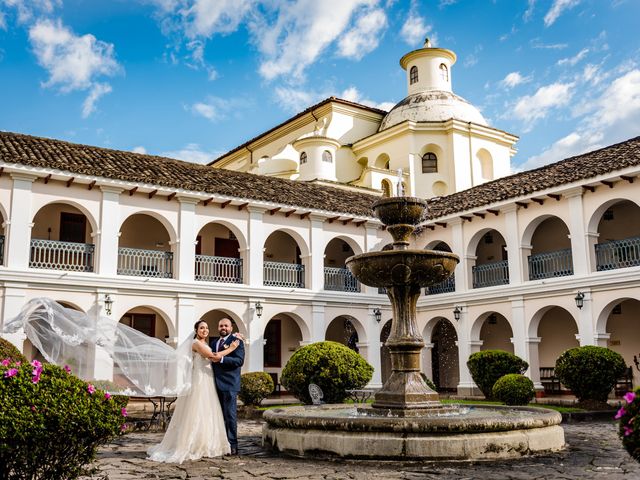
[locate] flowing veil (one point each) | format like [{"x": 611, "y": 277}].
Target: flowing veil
[{"x": 143, "y": 366}]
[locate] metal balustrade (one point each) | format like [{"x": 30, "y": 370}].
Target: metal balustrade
[
  {"x": 218, "y": 269},
  {"x": 490, "y": 274},
  {"x": 550, "y": 264},
  {"x": 618, "y": 254},
  {"x": 340, "y": 279},
  {"x": 1, "y": 249},
  {"x": 278, "y": 274},
  {"x": 448, "y": 286},
  {"x": 145, "y": 263},
  {"x": 56, "y": 255}
]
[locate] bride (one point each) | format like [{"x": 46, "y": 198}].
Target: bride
[{"x": 197, "y": 426}]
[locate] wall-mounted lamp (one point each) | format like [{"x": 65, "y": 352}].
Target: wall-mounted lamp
[
  {"x": 108, "y": 303},
  {"x": 377, "y": 314},
  {"x": 579, "y": 299},
  {"x": 456, "y": 312},
  {"x": 258, "y": 309}
]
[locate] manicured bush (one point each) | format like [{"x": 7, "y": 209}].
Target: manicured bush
[
  {"x": 51, "y": 422},
  {"x": 513, "y": 389},
  {"x": 9, "y": 350},
  {"x": 255, "y": 387},
  {"x": 629, "y": 428},
  {"x": 590, "y": 372},
  {"x": 330, "y": 365},
  {"x": 429, "y": 383},
  {"x": 487, "y": 366}
]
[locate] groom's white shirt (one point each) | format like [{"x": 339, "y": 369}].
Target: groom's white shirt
[{"x": 221, "y": 342}]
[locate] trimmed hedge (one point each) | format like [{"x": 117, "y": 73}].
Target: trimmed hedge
[
  {"x": 487, "y": 366},
  {"x": 255, "y": 387},
  {"x": 330, "y": 365},
  {"x": 629, "y": 427},
  {"x": 590, "y": 372},
  {"x": 51, "y": 422},
  {"x": 9, "y": 350},
  {"x": 513, "y": 389}
]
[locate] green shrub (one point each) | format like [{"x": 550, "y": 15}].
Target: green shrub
[
  {"x": 330, "y": 365},
  {"x": 513, "y": 389},
  {"x": 255, "y": 387},
  {"x": 487, "y": 366},
  {"x": 9, "y": 350},
  {"x": 590, "y": 372},
  {"x": 429, "y": 383},
  {"x": 629, "y": 428},
  {"x": 51, "y": 422}
]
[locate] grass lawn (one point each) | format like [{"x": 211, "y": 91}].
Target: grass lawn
[{"x": 558, "y": 408}]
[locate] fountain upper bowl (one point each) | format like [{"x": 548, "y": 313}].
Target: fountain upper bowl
[{"x": 401, "y": 210}]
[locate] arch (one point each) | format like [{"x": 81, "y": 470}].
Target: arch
[
  {"x": 479, "y": 322},
  {"x": 603, "y": 316},
  {"x": 439, "y": 188},
  {"x": 427, "y": 331},
  {"x": 481, "y": 235},
  {"x": 296, "y": 237},
  {"x": 438, "y": 245},
  {"x": 486, "y": 164},
  {"x": 353, "y": 244},
  {"x": 413, "y": 75},
  {"x": 3, "y": 214},
  {"x": 445, "y": 371},
  {"x": 303, "y": 158},
  {"x": 387, "y": 188},
  {"x": 534, "y": 323},
  {"x": 70, "y": 305},
  {"x": 444, "y": 72},
  {"x": 429, "y": 162},
  {"x": 596, "y": 217},
  {"x": 347, "y": 330},
  {"x": 168, "y": 226},
  {"x": 93, "y": 225},
  {"x": 494, "y": 330},
  {"x": 385, "y": 357},
  {"x": 298, "y": 320},
  {"x": 530, "y": 229},
  {"x": 382, "y": 161},
  {"x": 363, "y": 162},
  {"x": 237, "y": 232},
  {"x": 557, "y": 330},
  {"x": 160, "y": 315},
  {"x": 216, "y": 314}
]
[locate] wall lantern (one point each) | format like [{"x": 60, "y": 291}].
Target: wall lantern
[
  {"x": 456, "y": 312},
  {"x": 377, "y": 314},
  {"x": 579, "y": 299},
  {"x": 108, "y": 303},
  {"x": 258, "y": 309}
]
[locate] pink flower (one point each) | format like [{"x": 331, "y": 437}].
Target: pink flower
[
  {"x": 67, "y": 368},
  {"x": 11, "y": 372},
  {"x": 123, "y": 427},
  {"x": 6, "y": 362},
  {"x": 18, "y": 364},
  {"x": 620, "y": 413},
  {"x": 629, "y": 397},
  {"x": 107, "y": 396},
  {"x": 33, "y": 408},
  {"x": 627, "y": 431},
  {"x": 36, "y": 364},
  {"x": 91, "y": 389},
  {"x": 36, "y": 378},
  {"x": 124, "y": 412}
]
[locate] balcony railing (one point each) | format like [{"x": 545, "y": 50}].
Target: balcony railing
[
  {"x": 448, "y": 286},
  {"x": 618, "y": 254},
  {"x": 1, "y": 249},
  {"x": 278, "y": 274},
  {"x": 218, "y": 269},
  {"x": 490, "y": 274},
  {"x": 145, "y": 263},
  {"x": 56, "y": 255},
  {"x": 340, "y": 279},
  {"x": 550, "y": 264}
]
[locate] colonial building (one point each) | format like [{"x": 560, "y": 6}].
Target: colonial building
[{"x": 549, "y": 258}]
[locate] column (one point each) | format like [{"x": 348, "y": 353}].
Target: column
[
  {"x": 577, "y": 232},
  {"x": 373, "y": 350},
  {"x": 186, "y": 251},
  {"x": 185, "y": 316},
  {"x": 427, "y": 365},
  {"x": 255, "y": 255},
  {"x": 466, "y": 347},
  {"x": 317, "y": 322},
  {"x": 13, "y": 301},
  {"x": 316, "y": 260},
  {"x": 463, "y": 270},
  {"x": 18, "y": 234},
  {"x": 102, "y": 365},
  {"x": 512, "y": 238},
  {"x": 586, "y": 323},
  {"x": 534, "y": 362},
  {"x": 370, "y": 245},
  {"x": 519, "y": 325},
  {"x": 108, "y": 234},
  {"x": 254, "y": 360}
]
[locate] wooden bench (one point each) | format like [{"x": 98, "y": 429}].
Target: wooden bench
[
  {"x": 625, "y": 383},
  {"x": 549, "y": 381}
]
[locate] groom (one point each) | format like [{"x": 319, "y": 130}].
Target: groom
[{"x": 227, "y": 376}]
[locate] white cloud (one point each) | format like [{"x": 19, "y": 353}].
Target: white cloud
[
  {"x": 353, "y": 95},
  {"x": 3, "y": 22},
  {"x": 572, "y": 61},
  {"x": 568, "y": 146},
  {"x": 193, "y": 153},
  {"x": 557, "y": 9},
  {"x": 536, "y": 43},
  {"x": 215, "y": 108},
  {"x": 295, "y": 100},
  {"x": 27, "y": 10},
  {"x": 415, "y": 29},
  {"x": 365, "y": 35},
  {"x": 531, "y": 108},
  {"x": 514, "y": 79},
  {"x": 73, "y": 62},
  {"x": 139, "y": 149},
  {"x": 446, "y": 3},
  {"x": 529, "y": 11}
]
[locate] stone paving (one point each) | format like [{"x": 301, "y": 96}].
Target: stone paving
[{"x": 594, "y": 452}]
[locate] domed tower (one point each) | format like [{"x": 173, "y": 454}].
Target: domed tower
[{"x": 453, "y": 147}]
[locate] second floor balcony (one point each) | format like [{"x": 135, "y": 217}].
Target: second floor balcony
[
  {"x": 448, "y": 286},
  {"x": 218, "y": 269},
  {"x": 279, "y": 274},
  {"x": 618, "y": 254},
  {"x": 340, "y": 280},
  {"x": 57, "y": 255},
  {"x": 490, "y": 274},
  {"x": 551, "y": 264},
  {"x": 139, "y": 262}
]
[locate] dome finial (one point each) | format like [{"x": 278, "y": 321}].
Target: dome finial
[{"x": 427, "y": 43}]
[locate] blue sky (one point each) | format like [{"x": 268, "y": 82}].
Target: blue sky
[{"x": 192, "y": 79}]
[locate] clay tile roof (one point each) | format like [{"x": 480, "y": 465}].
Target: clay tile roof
[
  {"x": 573, "y": 169},
  {"x": 167, "y": 172}
]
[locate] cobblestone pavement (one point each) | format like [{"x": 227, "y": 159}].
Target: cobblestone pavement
[{"x": 594, "y": 452}]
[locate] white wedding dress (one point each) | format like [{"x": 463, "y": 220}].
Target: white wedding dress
[{"x": 197, "y": 428}]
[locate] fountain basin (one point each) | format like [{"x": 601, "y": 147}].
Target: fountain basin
[{"x": 472, "y": 432}]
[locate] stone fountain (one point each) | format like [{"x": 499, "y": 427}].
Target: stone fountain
[{"x": 406, "y": 418}]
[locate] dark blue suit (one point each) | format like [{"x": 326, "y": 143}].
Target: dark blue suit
[{"x": 227, "y": 377}]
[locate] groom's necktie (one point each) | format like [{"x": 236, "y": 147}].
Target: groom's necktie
[{"x": 219, "y": 344}]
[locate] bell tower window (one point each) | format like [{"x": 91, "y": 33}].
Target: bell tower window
[
  {"x": 413, "y": 75},
  {"x": 327, "y": 157},
  {"x": 444, "y": 72},
  {"x": 429, "y": 163},
  {"x": 303, "y": 158}
]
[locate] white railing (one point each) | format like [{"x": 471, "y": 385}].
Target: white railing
[
  {"x": 218, "y": 269},
  {"x": 340, "y": 280},
  {"x": 56, "y": 255},
  {"x": 145, "y": 263},
  {"x": 277, "y": 274}
]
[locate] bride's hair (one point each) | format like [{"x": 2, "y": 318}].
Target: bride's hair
[{"x": 195, "y": 327}]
